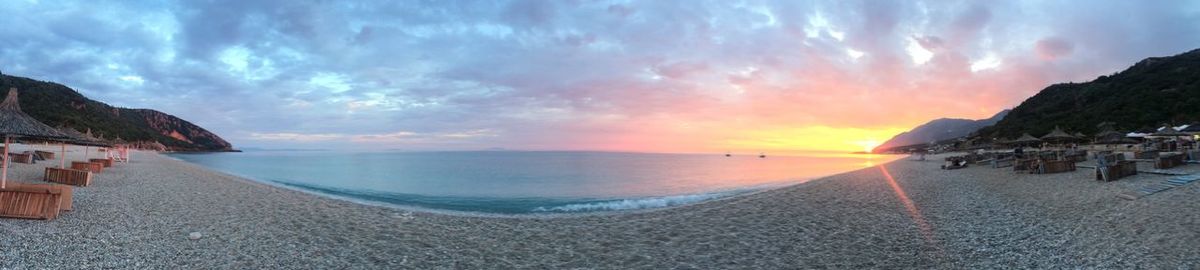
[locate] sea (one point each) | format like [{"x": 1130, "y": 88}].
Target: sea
[{"x": 527, "y": 182}]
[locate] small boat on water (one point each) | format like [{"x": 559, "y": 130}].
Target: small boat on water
[
  {"x": 761, "y": 155},
  {"x": 728, "y": 155}
]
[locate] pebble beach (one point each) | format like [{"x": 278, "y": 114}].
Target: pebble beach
[{"x": 161, "y": 213}]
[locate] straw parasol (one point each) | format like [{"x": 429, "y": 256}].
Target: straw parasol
[
  {"x": 14, "y": 123},
  {"x": 79, "y": 138},
  {"x": 1113, "y": 137},
  {"x": 1169, "y": 132},
  {"x": 1025, "y": 139},
  {"x": 1058, "y": 135},
  {"x": 1191, "y": 129}
]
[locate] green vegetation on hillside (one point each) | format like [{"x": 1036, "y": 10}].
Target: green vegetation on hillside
[
  {"x": 1155, "y": 91},
  {"x": 58, "y": 106}
]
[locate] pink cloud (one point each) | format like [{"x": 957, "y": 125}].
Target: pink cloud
[{"x": 1053, "y": 48}]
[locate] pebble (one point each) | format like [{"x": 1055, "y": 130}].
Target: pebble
[{"x": 195, "y": 236}]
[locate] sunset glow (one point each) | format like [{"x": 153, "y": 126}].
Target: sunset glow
[{"x": 647, "y": 76}]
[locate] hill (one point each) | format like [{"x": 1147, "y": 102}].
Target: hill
[
  {"x": 938, "y": 130},
  {"x": 1155, "y": 91},
  {"x": 60, "y": 106}
]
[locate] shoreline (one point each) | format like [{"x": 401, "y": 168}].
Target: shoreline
[
  {"x": 138, "y": 215},
  {"x": 749, "y": 191}
]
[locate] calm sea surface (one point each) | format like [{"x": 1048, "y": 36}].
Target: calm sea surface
[{"x": 513, "y": 182}]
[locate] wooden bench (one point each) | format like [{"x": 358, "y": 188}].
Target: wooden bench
[
  {"x": 107, "y": 162},
  {"x": 34, "y": 201},
  {"x": 1025, "y": 164},
  {"x": 1110, "y": 158},
  {"x": 1002, "y": 163},
  {"x": 1057, "y": 166},
  {"x": 1076, "y": 157},
  {"x": 87, "y": 166},
  {"x": 68, "y": 176},
  {"x": 1116, "y": 170},
  {"x": 1168, "y": 161},
  {"x": 21, "y": 158},
  {"x": 1145, "y": 154},
  {"x": 45, "y": 154}
]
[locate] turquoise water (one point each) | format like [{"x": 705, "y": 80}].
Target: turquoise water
[{"x": 513, "y": 182}]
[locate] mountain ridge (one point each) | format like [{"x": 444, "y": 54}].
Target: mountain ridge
[
  {"x": 60, "y": 106},
  {"x": 938, "y": 130},
  {"x": 1150, "y": 93}
]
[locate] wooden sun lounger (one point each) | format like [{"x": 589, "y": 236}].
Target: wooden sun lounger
[
  {"x": 1076, "y": 157},
  {"x": 1168, "y": 161},
  {"x": 1112, "y": 171},
  {"x": 68, "y": 176},
  {"x": 87, "y": 166},
  {"x": 45, "y": 154},
  {"x": 1025, "y": 164},
  {"x": 21, "y": 158},
  {"x": 34, "y": 201},
  {"x": 957, "y": 162},
  {"x": 107, "y": 162},
  {"x": 1110, "y": 158},
  {"x": 1002, "y": 163},
  {"x": 1056, "y": 166},
  {"x": 1145, "y": 154}
]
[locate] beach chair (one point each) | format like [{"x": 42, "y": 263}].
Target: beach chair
[
  {"x": 1109, "y": 157},
  {"x": 1152, "y": 154},
  {"x": 44, "y": 154},
  {"x": 20, "y": 158},
  {"x": 1025, "y": 164},
  {"x": 958, "y": 162},
  {"x": 34, "y": 201},
  {"x": 1076, "y": 155},
  {"x": 107, "y": 162},
  {"x": 1113, "y": 171},
  {"x": 1056, "y": 166},
  {"x": 68, "y": 176},
  {"x": 1003, "y": 162},
  {"x": 1168, "y": 161},
  {"x": 87, "y": 166}
]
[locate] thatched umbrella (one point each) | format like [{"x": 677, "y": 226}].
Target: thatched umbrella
[
  {"x": 1169, "y": 132},
  {"x": 79, "y": 138},
  {"x": 1191, "y": 129},
  {"x": 1058, "y": 135},
  {"x": 14, "y": 123},
  {"x": 88, "y": 140},
  {"x": 1113, "y": 137},
  {"x": 1080, "y": 136},
  {"x": 1025, "y": 139}
]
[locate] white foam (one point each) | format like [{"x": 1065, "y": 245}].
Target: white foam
[{"x": 632, "y": 204}]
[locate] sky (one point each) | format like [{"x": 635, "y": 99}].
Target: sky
[{"x": 645, "y": 76}]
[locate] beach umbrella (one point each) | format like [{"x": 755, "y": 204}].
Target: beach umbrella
[
  {"x": 14, "y": 123},
  {"x": 1025, "y": 139},
  {"x": 1169, "y": 132},
  {"x": 79, "y": 138},
  {"x": 1058, "y": 135},
  {"x": 1191, "y": 129},
  {"x": 1113, "y": 137}
]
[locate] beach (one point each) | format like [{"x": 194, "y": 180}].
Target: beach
[{"x": 903, "y": 214}]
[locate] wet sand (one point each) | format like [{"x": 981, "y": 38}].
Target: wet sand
[{"x": 139, "y": 214}]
